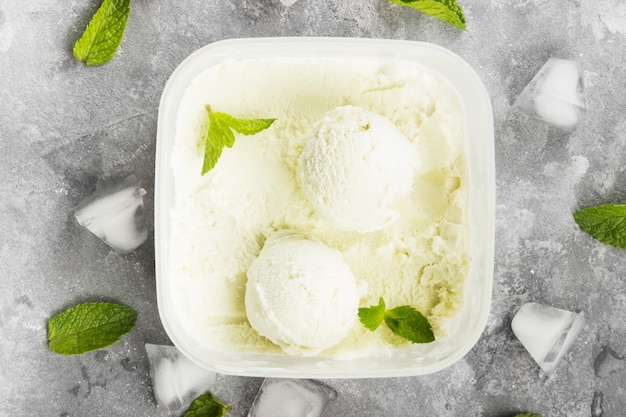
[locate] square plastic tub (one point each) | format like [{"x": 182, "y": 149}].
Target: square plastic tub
[{"x": 467, "y": 326}]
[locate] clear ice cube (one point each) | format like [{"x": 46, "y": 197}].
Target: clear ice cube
[
  {"x": 291, "y": 398},
  {"x": 116, "y": 214},
  {"x": 288, "y": 2},
  {"x": 176, "y": 380},
  {"x": 546, "y": 332},
  {"x": 555, "y": 95}
]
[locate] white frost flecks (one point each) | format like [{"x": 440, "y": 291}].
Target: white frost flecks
[
  {"x": 546, "y": 247},
  {"x": 604, "y": 16},
  {"x": 463, "y": 373},
  {"x": 6, "y": 32},
  {"x": 513, "y": 229},
  {"x": 592, "y": 79},
  {"x": 526, "y": 224},
  {"x": 517, "y": 4},
  {"x": 564, "y": 177},
  {"x": 524, "y": 220},
  {"x": 609, "y": 147},
  {"x": 20, "y": 316},
  {"x": 571, "y": 174}
]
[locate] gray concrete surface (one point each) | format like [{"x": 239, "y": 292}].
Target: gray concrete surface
[{"x": 65, "y": 128}]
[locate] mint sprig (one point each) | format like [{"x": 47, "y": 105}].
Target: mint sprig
[
  {"x": 220, "y": 134},
  {"x": 403, "y": 321},
  {"x": 104, "y": 33},
  {"x": 89, "y": 326},
  {"x": 446, "y": 10},
  {"x": 207, "y": 405},
  {"x": 371, "y": 317},
  {"x": 527, "y": 415},
  {"x": 607, "y": 223}
]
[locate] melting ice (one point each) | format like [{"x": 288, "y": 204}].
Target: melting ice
[
  {"x": 291, "y": 398},
  {"x": 116, "y": 215},
  {"x": 555, "y": 94},
  {"x": 176, "y": 380},
  {"x": 546, "y": 332}
]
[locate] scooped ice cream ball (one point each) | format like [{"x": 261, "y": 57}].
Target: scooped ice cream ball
[
  {"x": 301, "y": 295},
  {"x": 354, "y": 167}
]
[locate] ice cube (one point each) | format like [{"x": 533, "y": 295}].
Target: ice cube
[
  {"x": 607, "y": 362},
  {"x": 116, "y": 214},
  {"x": 291, "y": 398},
  {"x": 288, "y": 2},
  {"x": 555, "y": 94},
  {"x": 546, "y": 332},
  {"x": 176, "y": 380}
]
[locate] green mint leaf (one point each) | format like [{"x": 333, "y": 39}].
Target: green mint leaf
[
  {"x": 446, "y": 10},
  {"x": 371, "y": 317},
  {"x": 104, "y": 33},
  {"x": 410, "y": 324},
  {"x": 89, "y": 326},
  {"x": 250, "y": 126},
  {"x": 403, "y": 321},
  {"x": 527, "y": 415},
  {"x": 606, "y": 223},
  {"x": 207, "y": 405},
  {"x": 220, "y": 134}
]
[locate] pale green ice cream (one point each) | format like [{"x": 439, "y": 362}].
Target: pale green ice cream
[{"x": 221, "y": 220}]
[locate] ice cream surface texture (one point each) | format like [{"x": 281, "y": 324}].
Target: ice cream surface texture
[
  {"x": 301, "y": 294},
  {"x": 354, "y": 167},
  {"x": 221, "y": 222}
]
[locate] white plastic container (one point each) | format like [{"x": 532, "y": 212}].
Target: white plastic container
[{"x": 469, "y": 323}]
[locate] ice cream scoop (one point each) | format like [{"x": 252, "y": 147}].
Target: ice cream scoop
[
  {"x": 300, "y": 294},
  {"x": 354, "y": 167}
]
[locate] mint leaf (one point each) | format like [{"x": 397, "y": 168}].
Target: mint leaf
[
  {"x": 403, "y": 321},
  {"x": 219, "y": 134},
  {"x": 606, "y": 223},
  {"x": 527, "y": 415},
  {"x": 249, "y": 126},
  {"x": 104, "y": 33},
  {"x": 89, "y": 326},
  {"x": 207, "y": 405},
  {"x": 371, "y": 317},
  {"x": 446, "y": 10},
  {"x": 410, "y": 324}
]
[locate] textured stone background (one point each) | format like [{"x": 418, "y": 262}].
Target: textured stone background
[{"x": 65, "y": 128}]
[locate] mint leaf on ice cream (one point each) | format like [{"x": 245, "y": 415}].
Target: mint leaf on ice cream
[
  {"x": 220, "y": 134},
  {"x": 607, "y": 223},
  {"x": 89, "y": 326},
  {"x": 371, "y": 317},
  {"x": 207, "y": 405},
  {"x": 403, "y": 321},
  {"x": 410, "y": 324},
  {"x": 104, "y": 33},
  {"x": 446, "y": 10}
]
